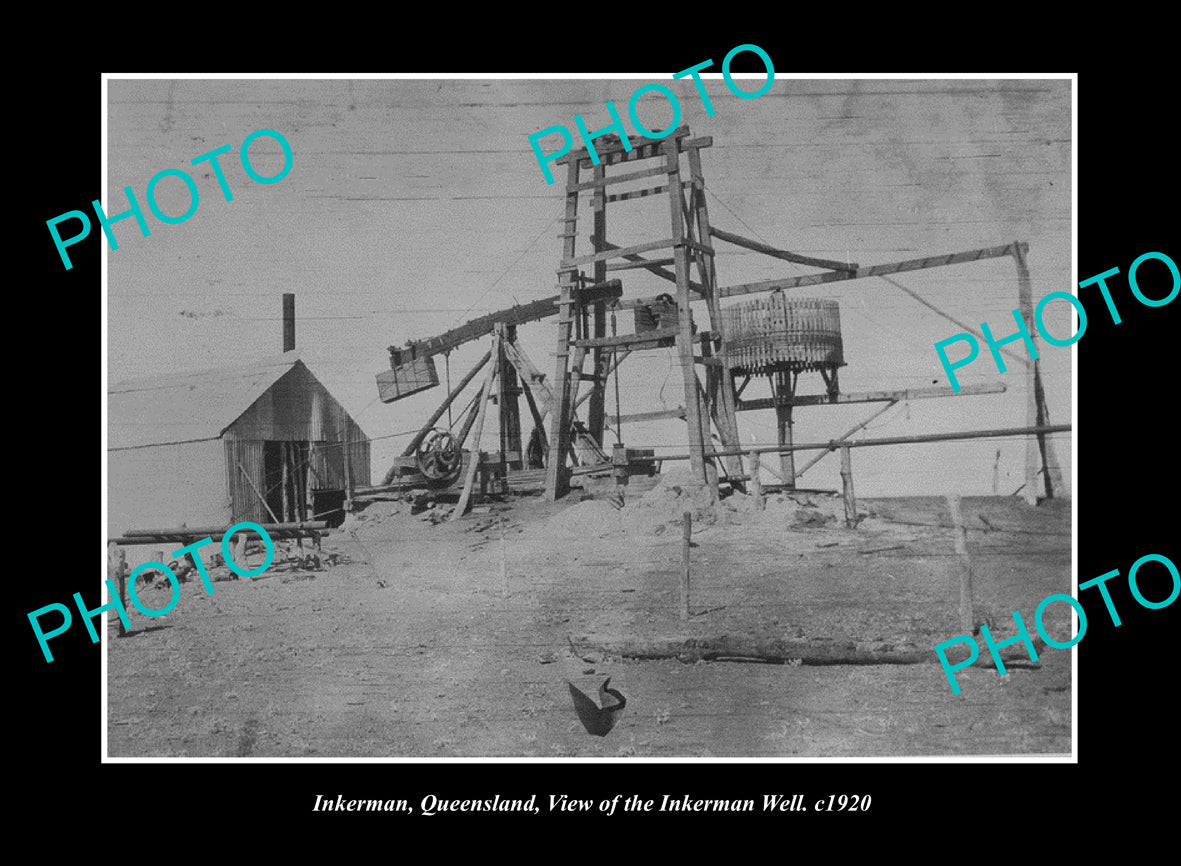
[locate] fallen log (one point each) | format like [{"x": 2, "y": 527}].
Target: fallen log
[
  {"x": 212, "y": 530},
  {"x": 809, "y": 651}
]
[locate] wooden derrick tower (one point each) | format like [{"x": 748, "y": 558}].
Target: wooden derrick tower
[{"x": 675, "y": 163}]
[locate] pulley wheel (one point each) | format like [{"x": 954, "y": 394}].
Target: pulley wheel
[{"x": 439, "y": 456}]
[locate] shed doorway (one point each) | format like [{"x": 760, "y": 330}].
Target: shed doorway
[{"x": 285, "y": 471}]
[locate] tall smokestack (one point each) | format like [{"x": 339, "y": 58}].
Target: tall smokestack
[{"x": 288, "y": 322}]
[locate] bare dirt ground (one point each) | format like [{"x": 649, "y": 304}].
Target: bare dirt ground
[{"x": 454, "y": 639}]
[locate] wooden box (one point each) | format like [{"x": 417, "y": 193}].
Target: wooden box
[{"x": 408, "y": 377}]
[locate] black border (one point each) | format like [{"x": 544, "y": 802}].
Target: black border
[{"x": 1127, "y": 183}]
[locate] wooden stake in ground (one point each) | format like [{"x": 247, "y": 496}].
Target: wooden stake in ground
[
  {"x": 117, "y": 568},
  {"x": 503, "y": 562},
  {"x": 847, "y": 483},
  {"x": 240, "y": 553},
  {"x": 967, "y": 620},
  {"x": 756, "y": 484},
  {"x": 687, "y": 523}
]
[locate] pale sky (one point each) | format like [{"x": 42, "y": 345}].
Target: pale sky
[{"x": 413, "y": 205}]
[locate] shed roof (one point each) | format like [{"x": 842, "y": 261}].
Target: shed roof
[{"x": 159, "y": 410}]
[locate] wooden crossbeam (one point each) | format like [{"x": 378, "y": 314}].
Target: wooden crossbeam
[
  {"x": 614, "y": 252},
  {"x": 871, "y": 271},
  {"x": 874, "y": 396},
  {"x": 660, "y": 415},
  {"x": 627, "y": 339},
  {"x": 619, "y": 178},
  {"x": 638, "y": 193},
  {"x": 611, "y": 151},
  {"x": 643, "y": 263},
  {"x": 654, "y": 268},
  {"x": 760, "y": 247}
]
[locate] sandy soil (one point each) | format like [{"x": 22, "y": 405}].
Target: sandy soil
[{"x": 454, "y": 639}]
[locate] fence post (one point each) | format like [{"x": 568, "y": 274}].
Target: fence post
[
  {"x": 756, "y": 483},
  {"x": 687, "y": 524},
  {"x": 847, "y": 484},
  {"x": 967, "y": 620}
]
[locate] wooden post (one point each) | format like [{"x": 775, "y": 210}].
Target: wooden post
[
  {"x": 698, "y": 432},
  {"x": 756, "y": 484},
  {"x": 286, "y": 507},
  {"x": 784, "y": 394},
  {"x": 474, "y": 460},
  {"x": 687, "y": 524},
  {"x": 967, "y": 620},
  {"x": 288, "y": 322},
  {"x": 1039, "y": 452},
  {"x": 508, "y": 392},
  {"x": 847, "y": 485},
  {"x": 309, "y": 504},
  {"x": 596, "y": 411},
  {"x": 240, "y": 553},
  {"x": 503, "y": 563},
  {"x": 557, "y": 480},
  {"x": 725, "y": 417},
  {"x": 348, "y": 468},
  {"x": 117, "y": 570}
]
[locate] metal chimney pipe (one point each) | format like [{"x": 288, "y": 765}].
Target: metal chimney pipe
[{"x": 288, "y": 322}]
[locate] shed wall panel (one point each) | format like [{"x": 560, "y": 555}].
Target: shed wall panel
[
  {"x": 244, "y": 466},
  {"x": 167, "y": 486}
]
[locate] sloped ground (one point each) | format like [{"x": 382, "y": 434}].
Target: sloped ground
[{"x": 445, "y": 640}]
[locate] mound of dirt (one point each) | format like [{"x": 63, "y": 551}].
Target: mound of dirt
[
  {"x": 594, "y": 517},
  {"x": 674, "y": 493}
]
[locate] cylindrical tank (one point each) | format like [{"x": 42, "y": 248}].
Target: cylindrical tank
[{"x": 780, "y": 334}]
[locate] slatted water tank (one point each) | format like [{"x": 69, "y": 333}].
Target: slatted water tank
[{"x": 775, "y": 334}]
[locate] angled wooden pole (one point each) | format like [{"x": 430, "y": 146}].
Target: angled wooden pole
[
  {"x": 473, "y": 465},
  {"x": 844, "y": 437},
  {"x": 1041, "y": 465},
  {"x": 530, "y": 376},
  {"x": 724, "y": 410},
  {"x": 261, "y": 498},
  {"x": 760, "y": 247},
  {"x": 444, "y": 407}
]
